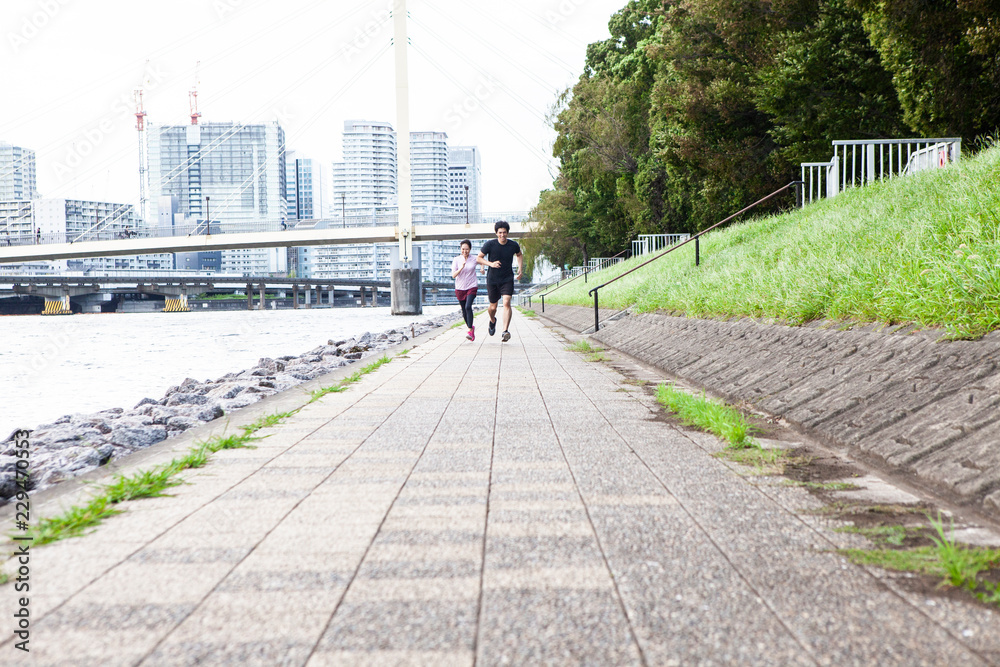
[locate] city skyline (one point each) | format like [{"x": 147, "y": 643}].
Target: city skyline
[{"x": 258, "y": 64}]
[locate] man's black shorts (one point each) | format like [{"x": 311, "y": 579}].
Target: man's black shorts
[{"x": 494, "y": 291}]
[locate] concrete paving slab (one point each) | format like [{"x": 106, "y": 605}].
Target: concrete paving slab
[{"x": 479, "y": 503}]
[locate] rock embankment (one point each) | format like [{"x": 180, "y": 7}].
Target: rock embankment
[
  {"x": 77, "y": 443},
  {"x": 903, "y": 398}
]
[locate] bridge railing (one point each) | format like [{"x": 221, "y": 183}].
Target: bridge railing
[{"x": 23, "y": 234}]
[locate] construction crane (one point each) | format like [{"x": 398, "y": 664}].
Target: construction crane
[
  {"x": 193, "y": 96},
  {"x": 140, "y": 125}
]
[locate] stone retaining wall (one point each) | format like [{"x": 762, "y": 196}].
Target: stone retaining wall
[{"x": 921, "y": 406}]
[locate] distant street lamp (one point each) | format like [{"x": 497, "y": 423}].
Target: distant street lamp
[
  {"x": 466, "y": 204},
  {"x": 208, "y": 217}
]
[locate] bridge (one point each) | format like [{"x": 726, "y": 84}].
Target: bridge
[
  {"x": 57, "y": 290},
  {"x": 230, "y": 236}
]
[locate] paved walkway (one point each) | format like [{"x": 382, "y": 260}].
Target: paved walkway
[{"x": 478, "y": 503}]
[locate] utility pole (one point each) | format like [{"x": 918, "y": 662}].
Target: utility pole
[
  {"x": 404, "y": 280},
  {"x": 400, "y": 42},
  {"x": 208, "y": 217},
  {"x": 343, "y": 210}
]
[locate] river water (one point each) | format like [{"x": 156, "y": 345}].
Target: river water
[{"x": 52, "y": 366}]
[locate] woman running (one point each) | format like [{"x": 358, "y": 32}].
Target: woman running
[{"x": 463, "y": 270}]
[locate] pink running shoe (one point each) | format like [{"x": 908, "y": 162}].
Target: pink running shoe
[{"x": 472, "y": 334}]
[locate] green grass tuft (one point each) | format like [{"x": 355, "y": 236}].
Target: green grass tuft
[
  {"x": 384, "y": 359},
  {"x": 72, "y": 522},
  {"x": 582, "y": 345},
  {"x": 957, "y": 565},
  {"x": 724, "y": 421}
]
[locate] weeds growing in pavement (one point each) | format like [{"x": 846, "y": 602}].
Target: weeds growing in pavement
[
  {"x": 582, "y": 345},
  {"x": 956, "y": 564},
  {"x": 597, "y": 356},
  {"x": 891, "y": 535},
  {"x": 317, "y": 394},
  {"x": 824, "y": 486},
  {"x": 350, "y": 379},
  {"x": 724, "y": 421},
  {"x": 526, "y": 312},
  {"x": 144, "y": 484},
  {"x": 384, "y": 359}
]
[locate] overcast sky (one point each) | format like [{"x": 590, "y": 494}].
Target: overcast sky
[{"x": 484, "y": 72}]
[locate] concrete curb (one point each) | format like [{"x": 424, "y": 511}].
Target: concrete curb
[{"x": 894, "y": 396}]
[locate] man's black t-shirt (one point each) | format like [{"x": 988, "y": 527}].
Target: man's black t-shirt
[{"x": 494, "y": 250}]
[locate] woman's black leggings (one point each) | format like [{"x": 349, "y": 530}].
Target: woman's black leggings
[{"x": 466, "y": 306}]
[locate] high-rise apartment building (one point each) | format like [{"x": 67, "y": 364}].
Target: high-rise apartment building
[
  {"x": 366, "y": 178},
  {"x": 365, "y": 185},
  {"x": 429, "y": 172},
  {"x": 465, "y": 181},
  {"x": 227, "y": 174},
  {"x": 17, "y": 173}
]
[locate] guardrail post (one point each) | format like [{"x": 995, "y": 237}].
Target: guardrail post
[
  {"x": 597, "y": 317},
  {"x": 586, "y": 270},
  {"x": 543, "y": 302},
  {"x": 697, "y": 250}
]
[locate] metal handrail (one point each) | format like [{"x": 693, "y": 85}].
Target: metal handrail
[
  {"x": 694, "y": 238},
  {"x": 586, "y": 270}
]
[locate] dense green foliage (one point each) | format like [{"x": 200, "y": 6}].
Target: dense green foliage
[
  {"x": 921, "y": 249},
  {"x": 695, "y": 108}
]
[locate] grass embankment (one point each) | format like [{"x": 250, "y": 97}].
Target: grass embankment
[{"x": 922, "y": 249}]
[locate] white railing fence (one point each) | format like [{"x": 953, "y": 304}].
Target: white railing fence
[
  {"x": 858, "y": 162},
  {"x": 646, "y": 243}
]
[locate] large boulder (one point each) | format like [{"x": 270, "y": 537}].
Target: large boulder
[{"x": 138, "y": 437}]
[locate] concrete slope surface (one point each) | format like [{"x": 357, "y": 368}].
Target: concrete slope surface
[{"x": 479, "y": 503}]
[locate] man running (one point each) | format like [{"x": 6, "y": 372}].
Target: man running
[{"x": 499, "y": 255}]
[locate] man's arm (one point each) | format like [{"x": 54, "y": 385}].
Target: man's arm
[
  {"x": 520, "y": 264},
  {"x": 481, "y": 259}
]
